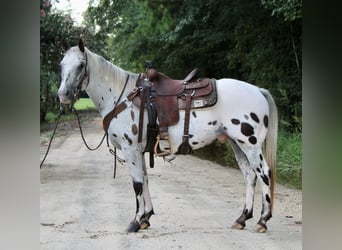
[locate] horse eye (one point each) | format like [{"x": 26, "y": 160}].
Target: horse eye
[{"x": 80, "y": 66}]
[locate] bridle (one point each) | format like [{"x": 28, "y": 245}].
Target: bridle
[
  {"x": 76, "y": 97},
  {"x": 85, "y": 77}
]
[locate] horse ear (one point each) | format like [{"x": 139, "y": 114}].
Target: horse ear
[{"x": 81, "y": 45}]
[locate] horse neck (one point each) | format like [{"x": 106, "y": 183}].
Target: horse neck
[{"x": 107, "y": 83}]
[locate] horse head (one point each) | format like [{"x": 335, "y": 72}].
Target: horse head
[{"x": 73, "y": 73}]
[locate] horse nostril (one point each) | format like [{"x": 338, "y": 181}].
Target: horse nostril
[{"x": 67, "y": 93}]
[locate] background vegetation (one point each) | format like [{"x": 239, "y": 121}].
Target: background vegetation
[{"x": 258, "y": 41}]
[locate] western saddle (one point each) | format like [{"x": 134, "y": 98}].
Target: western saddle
[
  {"x": 163, "y": 97},
  {"x": 169, "y": 96}
]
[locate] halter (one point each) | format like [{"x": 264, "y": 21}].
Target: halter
[{"x": 85, "y": 76}]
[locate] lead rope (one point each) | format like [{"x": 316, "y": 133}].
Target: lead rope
[
  {"x": 52, "y": 136},
  {"x": 81, "y": 131},
  {"x": 113, "y": 152}
]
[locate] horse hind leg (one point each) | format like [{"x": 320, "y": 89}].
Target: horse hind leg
[
  {"x": 264, "y": 175},
  {"x": 250, "y": 181}
]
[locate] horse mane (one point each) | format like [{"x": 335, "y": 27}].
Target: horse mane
[{"x": 109, "y": 69}]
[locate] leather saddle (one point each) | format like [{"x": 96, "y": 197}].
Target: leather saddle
[{"x": 170, "y": 96}]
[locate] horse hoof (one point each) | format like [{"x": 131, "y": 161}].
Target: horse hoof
[
  {"x": 144, "y": 224},
  {"x": 133, "y": 227},
  {"x": 238, "y": 226},
  {"x": 260, "y": 228}
]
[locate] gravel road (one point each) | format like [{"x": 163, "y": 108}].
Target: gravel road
[{"x": 195, "y": 201}]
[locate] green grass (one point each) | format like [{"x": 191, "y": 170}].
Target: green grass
[
  {"x": 84, "y": 104},
  {"x": 220, "y": 153},
  {"x": 289, "y": 157}
]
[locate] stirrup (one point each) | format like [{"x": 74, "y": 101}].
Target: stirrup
[{"x": 166, "y": 151}]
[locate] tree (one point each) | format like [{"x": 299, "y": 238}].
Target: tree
[
  {"x": 57, "y": 34},
  {"x": 290, "y": 10},
  {"x": 251, "y": 40}
]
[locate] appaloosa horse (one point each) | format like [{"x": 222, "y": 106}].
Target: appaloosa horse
[{"x": 244, "y": 114}]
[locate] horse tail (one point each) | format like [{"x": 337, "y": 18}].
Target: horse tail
[{"x": 270, "y": 145}]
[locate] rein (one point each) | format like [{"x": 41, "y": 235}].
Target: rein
[
  {"x": 82, "y": 135},
  {"x": 117, "y": 109},
  {"x": 81, "y": 132},
  {"x": 53, "y": 134},
  {"x": 76, "y": 95}
]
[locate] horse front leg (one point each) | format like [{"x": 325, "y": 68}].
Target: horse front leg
[
  {"x": 134, "y": 225},
  {"x": 145, "y": 219},
  {"x": 144, "y": 209}
]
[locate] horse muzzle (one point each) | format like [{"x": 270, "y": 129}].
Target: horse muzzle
[{"x": 66, "y": 96}]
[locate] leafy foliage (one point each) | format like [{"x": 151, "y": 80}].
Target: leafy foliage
[
  {"x": 289, "y": 9},
  {"x": 258, "y": 41},
  {"x": 240, "y": 39},
  {"x": 289, "y": 159},
  {"x": 57, "y": 34}
]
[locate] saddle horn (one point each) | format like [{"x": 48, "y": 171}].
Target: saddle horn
[{"x": 149, "y": 64}]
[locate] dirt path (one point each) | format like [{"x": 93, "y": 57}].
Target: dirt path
[{"x": 195, "y": 201}]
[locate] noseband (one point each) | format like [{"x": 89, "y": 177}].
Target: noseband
[{"x": 85, "y": 77}]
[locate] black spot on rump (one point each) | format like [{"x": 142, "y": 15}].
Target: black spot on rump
[
  {"x": 194, "y": 143},
  {"x": 254, "y": 117},
  {"x": 247, "y": 129},
  {"x": 268, "y": 198},
  {"x": 240, "y": 141},
  {"x": 252, "y": 140},
  {"x": 261, "y": 158},
  {"x": 115, "y": 135},
  {"x": 194, "y": 114},
  {"x": 265, "y": 179},
  {"x": 266, "y": 121},
  {"x": 235, "y": 121}
]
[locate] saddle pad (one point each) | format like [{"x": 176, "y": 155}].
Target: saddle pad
[{"x": 202, "y": 98}]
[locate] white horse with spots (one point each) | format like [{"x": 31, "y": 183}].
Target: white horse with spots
[{"x": 244, "y": 113}]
